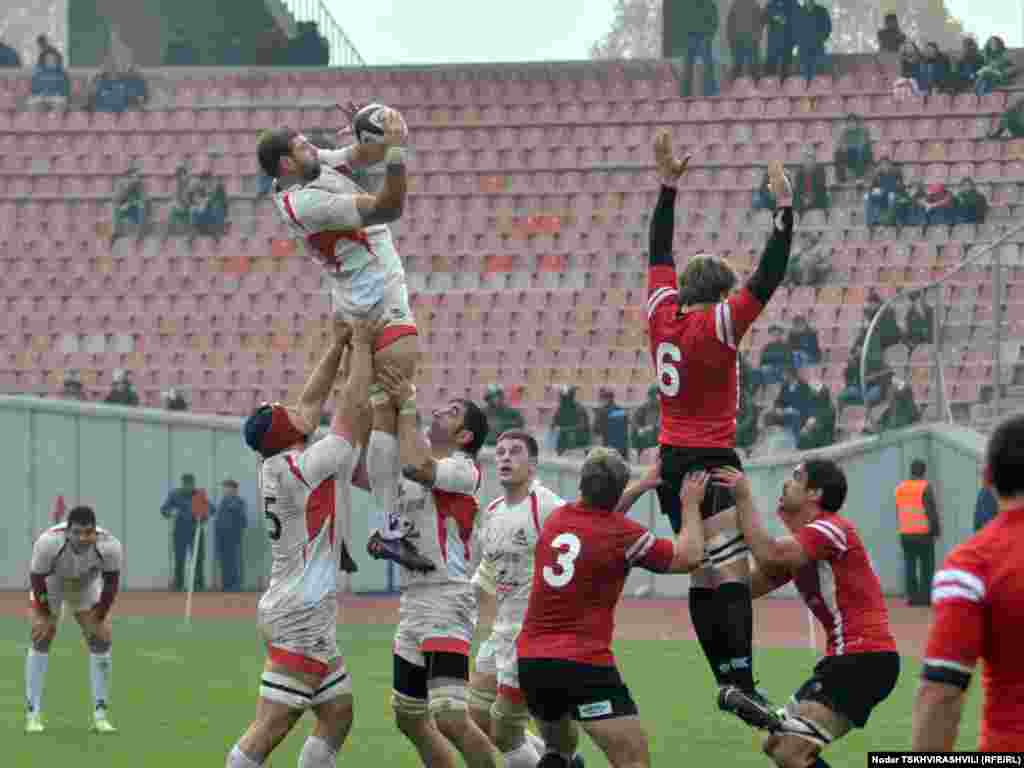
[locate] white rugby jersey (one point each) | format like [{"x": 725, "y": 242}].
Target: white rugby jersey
[
  {"x": 439, "y": 521},
  {"x": 508, "y": 536},
  {"x": 52, "y": 555},
  {"x": 361, "y": 262},
  {"x": 304, "y": 492}
]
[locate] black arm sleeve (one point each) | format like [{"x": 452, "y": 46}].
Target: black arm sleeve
[
  {"x": 663, "y": 222},
  {"x": 771, "y": 270}
]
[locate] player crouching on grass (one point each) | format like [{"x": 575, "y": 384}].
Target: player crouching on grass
[
  {"x": 78, "y": 563},
  {"x": 305, "y": 494},
  {"x": 586, "y": 549},
  {"x": 826, "y": 560}
]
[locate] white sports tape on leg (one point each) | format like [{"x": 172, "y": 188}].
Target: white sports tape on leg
[
  {"x": 338, "y": 683},
  {"x": 317, "y": 753},
  {"x": 407, "y": 705},
  {"x": 285, "y": 690},
  {"x": 481, "y": 700},
  {"x": 447, "y": 698},
  {"x": 727, "y": 546},
  {"x": 805, "y": 729}
]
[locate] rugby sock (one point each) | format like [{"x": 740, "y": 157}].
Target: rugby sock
[
  {"x": 523, "y": 757},
  {"x": 737, "y": 624},
  {"x": 238, "y": 759},
  {"x": 99, "y": 674},
  {"x": 382, "y": 469},
  {"x": 317, "y": 753},
  {"x": 35, "y": 676},
  {"x": 704, "y": 616}
]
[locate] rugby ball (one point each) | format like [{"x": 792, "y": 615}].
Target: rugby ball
[{"x": 367, "y": 124}]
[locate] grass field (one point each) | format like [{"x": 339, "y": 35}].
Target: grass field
[{"x": 182, "y": 695}]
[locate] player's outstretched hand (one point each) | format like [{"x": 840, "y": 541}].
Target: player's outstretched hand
[
  {"x": 694, "y": 485},
  {"x": 780, "y": 185},
  {"x": 398, "y": 387},
  {"x": 730, "y": 477},
  {"x": 395, "y": 130},
  {"x": 669, "y": 169}
]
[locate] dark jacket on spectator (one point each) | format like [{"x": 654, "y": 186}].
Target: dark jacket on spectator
[
  {"x": 611, "y": 423},
  {"x": 776, "y": 353},
  {"x": 936, "y": 72},
  {"x": 573, "y": 424},
  {"x": 901, "y": 411},
  {"x": 811, "y": 189},
  {"x": 985, "y": 508},
  {"x": 9, "y": 56},
  {"x": 971, "y": 206},
  {"x": 746, "y": 420},
  {"x": 919, "y": 325},
  {"x": 230, "y": 518},
  {"x": 813, "y": 28},
  {"x": 798, "y": 396},
  {"x": 806, "y": 342},
  {"x": 968, "y": 65},
  {"x": 744, "y": 23},
  {"x": 822, "y": 432},
  {"x": 890, "y": 39}
]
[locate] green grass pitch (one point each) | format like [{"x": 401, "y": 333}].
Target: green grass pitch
[{"x": 182, "y": 695}]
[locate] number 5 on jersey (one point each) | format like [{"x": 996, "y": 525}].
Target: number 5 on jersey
[
  {"x": 273, "y": 521},
  {"x": 670, "y": 359},
  {"x": 565, "y": 560}
]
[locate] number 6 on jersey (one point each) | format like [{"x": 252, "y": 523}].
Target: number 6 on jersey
[
  {"x": 670, "y": 380},
  {"x": 564, "y": 560}
]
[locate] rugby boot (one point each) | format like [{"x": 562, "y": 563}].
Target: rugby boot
[
  {"x": 749, "y": 706},
  {"x": 100, "y": 723},
  {"x": 34, "y": 723}
]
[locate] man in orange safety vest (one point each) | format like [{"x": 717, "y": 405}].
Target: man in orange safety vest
[{"x": 919, "y": 527}]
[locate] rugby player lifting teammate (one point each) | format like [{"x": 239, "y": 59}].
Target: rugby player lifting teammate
[
  {"x": 695, "y": 330},
  {"x": 345, "y": 230},
  {"x": 305, "y": 491},
  {"x": 828, "y": 564}
]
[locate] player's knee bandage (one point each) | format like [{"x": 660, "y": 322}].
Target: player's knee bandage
[
  {"x": 511, "y": 714},
  {"x": 448, "y": 700},
  {"x": 795, "y": 725},
  {"x": 285, "y": 690},
  {"x": 317, "y": 753},
  {"x": 338, "y": 683},
  {"x": 408, "y": 706},
  {"x": 481, "y": 700},
  {"x": 725, "y": 547}
]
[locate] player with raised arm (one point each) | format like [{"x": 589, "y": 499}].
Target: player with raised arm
[
  {"x": 826, "y": 560},
  {"x": 78, "y": 564},
  {"x": 696, "y": 321},
  {"x": 305, "y": 491},
  {"x": 567, "y": 670},
  {"x": 978, "y": 608},
  {"x": 437, "y": 509},
  {"x": 345, "y": 230},
  {"x": 507, "y": 534}
]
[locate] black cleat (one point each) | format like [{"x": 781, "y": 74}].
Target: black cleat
[
  {"x": 345, "y": 561},
  {"x": 399, "y": 551},
  {"x": 553, "y": 760},
  {"x": 750, "y": 707}
]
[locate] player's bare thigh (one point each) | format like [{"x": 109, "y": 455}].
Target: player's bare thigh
[
  {"x": 789, "y": 751},
  {"x": 334, "y": 717},
  {"x": 483, "y": 690},
  {"x": 622, "y": 739},
  {"x": 403, "y": 353}
]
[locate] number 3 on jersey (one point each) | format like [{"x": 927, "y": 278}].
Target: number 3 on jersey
[
  {"x": 273, "y": 521},
  {"x": 565, "y": 560},
  {"x": 670, "y": 378}
]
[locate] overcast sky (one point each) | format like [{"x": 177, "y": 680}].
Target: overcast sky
[{"x": 440, "y": 31}]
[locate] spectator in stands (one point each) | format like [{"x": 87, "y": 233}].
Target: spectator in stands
[
  {"x": 890, "y": 36},
  {"x": 122, "y": 390},
  {"x": 107, "y": 92},
  {"x": 810, "y": 188},
  {"x": 230, "y": 519},
  {"x": 781, "y": 19},
  {"x": 50, "y": 84},
  {"x": 887, "y": 330},
  {"x": 571, "y": 423},
  {"x": 750, "y": 378},
  {"x": 9, "y": 57},
  {"x": 234, "y": 53},
  {"x": 1011, "y": 122},
  {"x": 763, "y": 199},
  {"x": 180, "y": 51},
  {"x": 73, "y": 389},
  {"x": 911, "y": 62},
  {"x": 803, "y": 340},
  {"x": 775, "y": 437},
  {"x": 747, "y": 416},
  {"x": 875, "y": 371},
  {"x": 743, "y": 29},
  {"x": 819, "y": 430},
  {"x": 918, "y": 324},
  {"x": 853, "y": 150},
  {"x": 899, "y": 411},
  {"x": 939, "y": 205},
  {"x": 971, "y": 206},
  {"x": 701, "y": 20},
  {"x": 647, "y": 422},
  {"x": 179, "y": 221},
  {"x": 775, "y": 356},
  {"x": 971, "y": 61},
  {"x": 795, "y": 400},
  {"x": 997, "y": 69},
  {"x": 308, "y": 48},
  {"x": 811, "y": 266},
  {"x": 174, "y": 400},
  {"x": 501, "y": 417},
  {"x": 936, "y": 70},
  {"x": 814, "y": 28},
  {"x": 611, "y": 423},
  {"x": 131, "y": 208},
  {"x": 880, "y": 200},
  {"x": 209, "y": 206}
]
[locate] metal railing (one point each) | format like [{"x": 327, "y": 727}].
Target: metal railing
[
  {"x": 942, "y": 333},
  {"x": 343, "y": 52}
]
